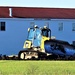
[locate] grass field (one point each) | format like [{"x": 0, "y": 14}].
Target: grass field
[{"x": 37, "y": 67}]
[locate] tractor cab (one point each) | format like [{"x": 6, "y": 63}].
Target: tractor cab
[
  {"x": 37, "y": 36},
  {"x": 34, "y": 37},
  {"x": 46, "y": 32}
]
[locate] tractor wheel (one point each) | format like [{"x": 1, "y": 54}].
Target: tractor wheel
[{"x": 21, "y": 55}]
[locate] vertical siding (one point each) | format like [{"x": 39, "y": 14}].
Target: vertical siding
[
  {"x": 11, "y": 40},
  {"x": 67, "y": 34}
]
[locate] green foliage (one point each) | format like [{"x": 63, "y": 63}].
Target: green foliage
[{"x": 37, "y": 67}]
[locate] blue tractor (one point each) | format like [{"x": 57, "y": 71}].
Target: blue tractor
[{"x": 40, "y": 45}]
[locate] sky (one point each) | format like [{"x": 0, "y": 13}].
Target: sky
[{"x": 39, "y": 3}]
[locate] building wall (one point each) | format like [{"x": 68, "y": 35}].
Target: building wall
[
  {"x": 66, "y": 34},
  {"x": 12, "y": 39}
]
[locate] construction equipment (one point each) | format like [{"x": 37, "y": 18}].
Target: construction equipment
[{"x": 40, "y": 45}]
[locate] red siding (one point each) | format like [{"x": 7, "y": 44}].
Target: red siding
[
  {"x": 30, "y": 12},
  {"x": 4, "y": 12},
  {"x": 55, "y": 13}
]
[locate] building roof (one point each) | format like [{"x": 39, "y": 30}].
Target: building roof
[
  {"x": 4, "y": 12},
  {"x": 34, "y": 12}
]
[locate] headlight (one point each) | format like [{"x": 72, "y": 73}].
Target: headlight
[{"x": 27, "y": 44}]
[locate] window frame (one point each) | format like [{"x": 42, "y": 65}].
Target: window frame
[
  {"x": 60, "y": 26},
  {"x": 2, "y": 26},
  {"x": 73, "y": 26},
  {"x": 32, "y": 24}
]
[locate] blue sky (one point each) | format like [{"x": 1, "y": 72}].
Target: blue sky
[{"x": 39, "y": 3}]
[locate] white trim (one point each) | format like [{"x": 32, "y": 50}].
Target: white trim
[
  {"x": 32, "y": 19},
  {"x": 10, "y": 12}
]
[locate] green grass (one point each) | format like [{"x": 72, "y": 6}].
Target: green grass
[{"x": 37, "y": 67}]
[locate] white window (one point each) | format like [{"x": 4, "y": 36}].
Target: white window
[
  {"x": 32, "y": 24},
  {"x": 2, "y": 26},
  {"x": 47, "y": 24},
  {"x": 73, "y": 26},
  {"x": 60, "y": 27}
]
